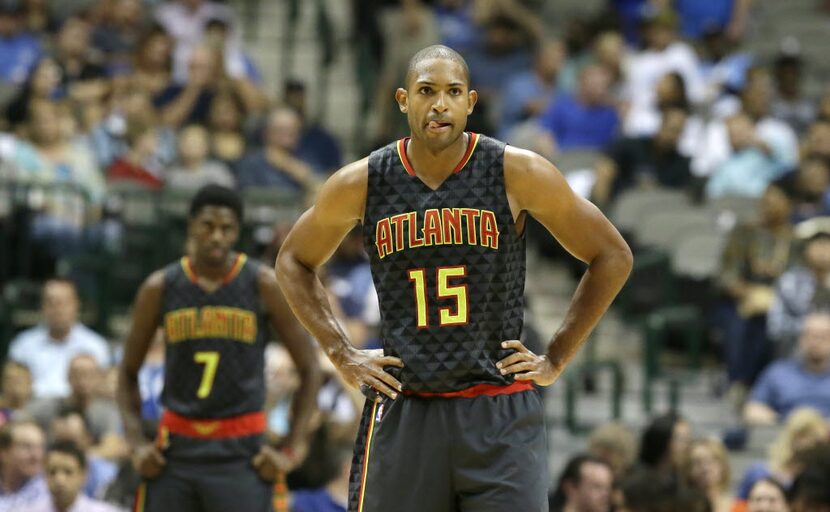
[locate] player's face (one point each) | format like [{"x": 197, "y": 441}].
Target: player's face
[
  {"x": 65, "y": 477},
  {"x": 214, "y": 232},
  {"x": 437, "y": 102}
]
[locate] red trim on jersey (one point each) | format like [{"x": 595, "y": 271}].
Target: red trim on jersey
[
  {"x": 238, "y": 263},
  {"x": 218, "y": 428},
  {"x": 468, "y": 153},
  {"x": 479, "y": 390}
]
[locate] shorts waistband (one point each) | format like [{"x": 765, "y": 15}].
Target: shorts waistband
[
  {"x": 478, "y": 390},
  {"x": 213, "y": 428}
]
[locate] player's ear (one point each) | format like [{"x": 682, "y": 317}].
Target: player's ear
[
  {"x": 402, "y": 98},
  {"x": 472, "y": 98}
]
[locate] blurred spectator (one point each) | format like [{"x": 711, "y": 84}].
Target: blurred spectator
[
  {"x": 810, "y": 491},
  {"x": 21, "y": 464},
  {"x": 585, "y": 120},
  {"x": 789, "y": 104},
  {"x": 83, "y": 72},
  {"x": 19, "y": 49},
  {"x": 151, "y": 380},
  {"x": 754, "y": 257},
  {"x": 334, "y": 496},
  {"x": 44, "y": 84},
  {"x": 66, "y": 472},
  {"x": 584, "y": 486},
  {"x": 225, "y": 122},
  {"x": 798, "y": 290},
  {"x": 664, "y": 443},
  {"x": 616, "y": 445},
  {"x": 804, "y": 428},
  {"x": 153, "y": 62},
  {"x": 142, "y": 143},
  {"x": 48, "y": 348},
  {"x": 670, "y": 92},
  {"x": 663, "y": 54},
  {"x": 194, "y": 168},
  {"x": 811, "y": 190},
  {"x": 816, "y": 143},
  {"x": 101, "y": 414},
  {"x": 650, "y": 490},
  {"x": 824, "y": 106},
  {"x": 118, "y": 34},
  {"x": 609, "y": 52},
  {"x": 767, "y": 495},
  {"x": 729, "y": 16},
  {"x": 282, "y": 381},
  {"x": 185, "y": 21},
  {"x": 15, "y": 389},
  {"x": 644, "y": 162},
  {"x": 802, "y": 380},
  {"x": 764, "y": 141},
  {"x": 317, "y": 145},
  {"x": 237, "y": 62},
  {"x": 349, "y": 279},
  {"x": 189, "y": 102},
  {"x": 752, "y": 163},
  {"x": 528, "y": 93},
  {"x": 38, "y": 18},
  {"x": 70, "y": 425},
  {"x": 276, "y": 164},
  {"x": 724, "y": 67},
  {"x": 706, "y": 468}
]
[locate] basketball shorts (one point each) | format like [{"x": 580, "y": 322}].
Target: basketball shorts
[{"x": 474, "y": 454}]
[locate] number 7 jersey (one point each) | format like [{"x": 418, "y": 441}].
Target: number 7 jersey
[{"x": 448, "y": 265}]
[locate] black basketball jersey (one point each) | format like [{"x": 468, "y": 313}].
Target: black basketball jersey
[
  {"x": 215, "y": 343},
  {"x": 448, "y": 265}
]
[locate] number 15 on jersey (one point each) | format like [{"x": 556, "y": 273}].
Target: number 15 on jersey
[{"x": 446, "y": 288}]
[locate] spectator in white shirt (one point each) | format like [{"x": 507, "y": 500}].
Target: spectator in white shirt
[
  {"x": 66, "y": 473},
  {"x": 48, "y": 347}
]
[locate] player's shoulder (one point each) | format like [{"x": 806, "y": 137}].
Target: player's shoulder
[
  {"x": 352, "y": 175},
  {"x": 520, "y": 161}
]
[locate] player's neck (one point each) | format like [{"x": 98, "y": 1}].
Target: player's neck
[
  {"x": 436, "y": 164},
  {"x": 211, "y": 272}
]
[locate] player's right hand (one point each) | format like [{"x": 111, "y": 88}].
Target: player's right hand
[
  {"x": 148, "y": 460},
  {"x": 365, "y": 369}
]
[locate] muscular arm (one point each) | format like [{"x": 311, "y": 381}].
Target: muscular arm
[
  {"x": 145, "y": 321},
  {"x": 309, "y": 245},
  {"x": 302, "y": 352},
  {"x": 536, "y": 187}
]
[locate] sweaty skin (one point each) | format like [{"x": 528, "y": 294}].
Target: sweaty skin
[
  {"x": 437, "y": 101},
  {"x": 213, "y": 232}
]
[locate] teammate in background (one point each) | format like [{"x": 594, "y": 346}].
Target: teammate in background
[
  {"x": 211, "y": 452},
  {"x": 456, "y": 424}
]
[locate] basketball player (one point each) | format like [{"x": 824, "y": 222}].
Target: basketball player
[
  {"x": 457, "y": 424},
  {"x": 210, "y": 454}
]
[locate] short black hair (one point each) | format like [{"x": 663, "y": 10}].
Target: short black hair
[
  {"x": 573, "y": 473},
  {"x": 216, "y": 195},
  {"x": 436, "y": 51},
  {"x": 649, "y": 490},
  {"x": 812, "y": 485},
  {"x": 68, "y": 448}
]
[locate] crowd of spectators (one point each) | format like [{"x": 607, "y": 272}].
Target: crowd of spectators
[{"x": 163, "y": 96}]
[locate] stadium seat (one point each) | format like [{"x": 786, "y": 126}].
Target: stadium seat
[
  {"x": 665, "y": 229},
  {"x": 634, "y": 205},
  {"x": 698, "y": 254},
  {"x": 573, "y": 382}
]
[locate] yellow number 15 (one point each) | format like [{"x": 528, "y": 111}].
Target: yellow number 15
[{"x": 459, "y": 315}]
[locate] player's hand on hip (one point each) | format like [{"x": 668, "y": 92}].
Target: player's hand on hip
[
  {"x": 525, "y": 365},
  {"x": 148, "y": 460},
  {"x": 364, "y": 369},
  {"x": 268, "y": 462}
]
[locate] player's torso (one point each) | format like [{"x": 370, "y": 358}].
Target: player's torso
[
  {"x": 214, "y": 343},
  {"x": 448, "y": 265}
]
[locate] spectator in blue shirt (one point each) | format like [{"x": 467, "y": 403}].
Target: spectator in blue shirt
[
  {"x": 22, "y": 445},
  {"x": 19, "y": 50},
  {"x": 47, "y": 348},
  {"x": 803, "y": 380},
  {"x": 586, "y": 120},
  {"x": 277, "y": 164},
  {"x": 527, "y": 94}
]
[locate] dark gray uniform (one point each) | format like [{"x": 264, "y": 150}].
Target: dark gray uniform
[
  {"x": 449, "y": 268},
  {"x": 214, "y": 392}
]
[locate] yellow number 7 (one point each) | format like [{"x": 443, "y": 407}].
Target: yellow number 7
[{"x": 211, "y": 361}]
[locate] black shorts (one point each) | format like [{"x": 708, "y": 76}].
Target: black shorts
[
  {"x": 481, "y": 454},
  {"x": 232, "y": 486}
]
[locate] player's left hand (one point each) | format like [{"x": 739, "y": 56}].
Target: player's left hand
[
  {"x": 269, "y": 462},
  {"x": 525, "y": 365}
]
